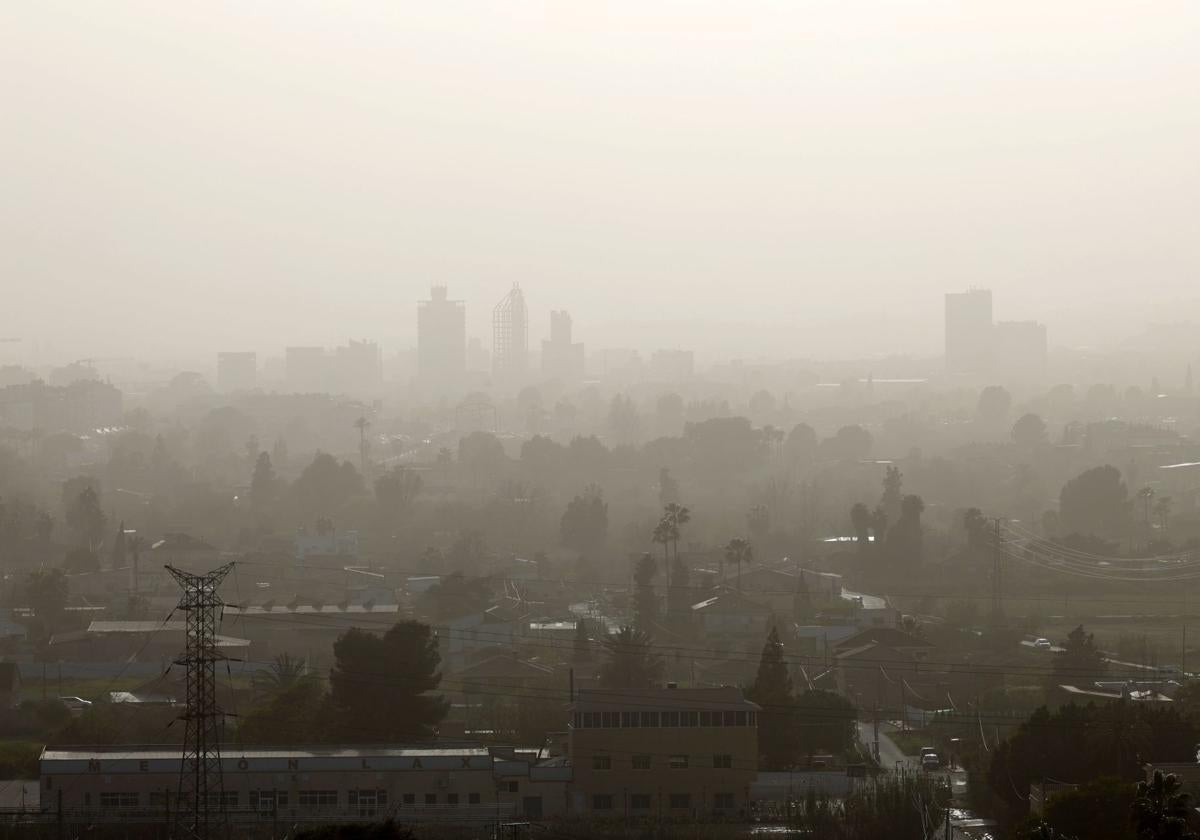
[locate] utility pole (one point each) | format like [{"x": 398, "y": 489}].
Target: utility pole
[
  {"x": 997, "y": 552},
  {"x": 200, "y": 812}
]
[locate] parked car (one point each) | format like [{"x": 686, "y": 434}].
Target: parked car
[
  {"x": 75, "y": 704},
  {"x": 1043, "y": 644},
  {"x": 930, "y": 761}
]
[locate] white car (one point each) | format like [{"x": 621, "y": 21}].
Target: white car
[{"x": 1042, "y": 644}]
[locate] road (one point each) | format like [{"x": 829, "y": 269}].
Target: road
[
  {"x": 890, "y": 755},
  {"x": 1117, "y": 662}
]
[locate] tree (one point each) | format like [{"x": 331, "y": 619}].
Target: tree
[
  {"x": 83, "y": 514},
  {"x": 1029, "y": 432},
  {"x": 630, "y": 660},
  {"x": 1162, "y": 510},
  {"x": 1160, "y": 809},
  {"x": 1096, "y": 503},
  {"x": 264, "y": 485},
  {"x": 455, "y": 596},
  {"x": 397, "y": 672},
  {"x": 772, "y": 690},
  {"x": 285, "y": 672},
  {"x": 905, "y": 540},
  {"x": 668, "y": 488},
  {"x": 645, "y": 604},
  {"x": 1079, "y": 660},
  {"x": 324, "y": 487},
  {"x": 47, "y": 591},
  {"x": 860, "y": 521},
  {"x": 481, "y": 453},
  {"x": 994, "y": 403},
  {"x": 584, "y": 524},
  {"x": 893, "y": 482},
  {"x": 824, "y": 721},
  {"x": 850, "y": 443},
  {"x": 676, "y": 516},
  {"x": 758, "y": 522},
  {"x": 396, "y": 489},
  {"x": 737, "y": 551},
  {"x": 801, "y": 443},
  {"x": 292, "y": 715},
  {"x": 1097, "y": 810}
]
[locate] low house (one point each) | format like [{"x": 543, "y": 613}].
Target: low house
[{"x": 731, "y": 614}]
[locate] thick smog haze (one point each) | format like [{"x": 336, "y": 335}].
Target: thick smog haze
[{"x": 744, "y": 179}]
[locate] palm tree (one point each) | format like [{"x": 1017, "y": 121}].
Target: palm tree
[
  {"x": 678, "y": 516},
  {"x": 662, "y": 535},
  {"x": 1160, "y": 809},
  {"x": 1162, "y": 509},
  {"x": 286, "y": 672},
  {"x": 738, "y": 550},
  {"x": 630, "y": 660}
]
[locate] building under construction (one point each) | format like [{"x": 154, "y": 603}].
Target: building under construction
[{"x": 510, "y": 336}]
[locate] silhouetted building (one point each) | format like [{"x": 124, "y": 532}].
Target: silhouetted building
[
  {"x": 969, "y": 331},
  {"x": 237, "y": 371},
  {"x": 441, "y": 337},
  {"x": 83, "y": 406},
  {"x": 672, "y": 365},
  {"x": 510, "y": 336},
  {"x": 306, "y": 369},
  {"x": 562, "y": 359},
  {"x": 358, "y": 368},
  {"x": 1019, "y": 349}
]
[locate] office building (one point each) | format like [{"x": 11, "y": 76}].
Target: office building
[
  {"x": 1019, "y": 350},
  {"x": 562, "y": 359},
  {"x": 306, "y": 369},
  {"x": 969, "y": 332},
  {"x": 237, "y": 372},
  {"x": 452, "y": 783},
  {"x": 670, "y": 752},
  {"x": 510, "y": 336},
  {"x": 357, "y": 368},
  {"x": 441, "y": 337}
]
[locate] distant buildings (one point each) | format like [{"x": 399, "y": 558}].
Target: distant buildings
[
  {"x": 562, "y": 359},
  {"x": 510, "y": 336},
  {"x": 237, "y": 371},
  {"x": 969, "y": 332},
  {"x": 354, "y": 368},
  {"x": 80, "y": 407},
  {"x": 441, "y": 338},
  {"x": 672, "y": 365},
  {"x": 978, "y": 346}
]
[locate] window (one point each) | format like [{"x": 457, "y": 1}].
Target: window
[
  {"x": 318, "y": 799},
  {"x": 431, "y": 799},
  {"x": 670, "y": 718},
  {"x": 723, "y": 761},
  {"x": 513, "y": 787},
  {"x": 578, "y": 720},
  {"x": 602, "y": 802},
  {"x": 753, "y": 718},
  {"x": 472, "y": 798},
  {"x": 681, "y": 800},
  {"x": 602, "y": 762},
  {"x": 115, "y": 801},
  {"x": 451, "y": 798},
  {"x": 268, "y": 800},
  {"x": 230, "y": 798},
  {"x": 678, "y": 762},
  {"x": 741, "y": 718},
  {"x": 410, "y": 799},
  {"x": 649, "y": 718},
  {"x": 629, "y": 719},
  {"x": 723, "y": 801},
  {"x": 366, "y": 800},
  {"x": 689, "y": 718},
  {"x": 639, "y": 802},
  {"x": 706, "y": 718},
  {"x": 729, "y": 718},
  {"x": 641, "y": 762}
]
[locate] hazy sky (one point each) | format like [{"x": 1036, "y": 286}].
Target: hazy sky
[{"x": 184, "y": 177}]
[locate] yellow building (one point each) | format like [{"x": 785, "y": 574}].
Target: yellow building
[{"x": 671, "y": 752}]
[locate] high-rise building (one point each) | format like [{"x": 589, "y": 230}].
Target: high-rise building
[
  {"x": 1019, "y": 350},
  {"x": 441, "y": 337},
  {"x": 306, "y": 369},
  {"x": 969, "y": 332},
  {"x": 510, "y": 335},
  {"x": 237, "y": 371},
  {"x": 672, "y": 365},
  {"x": 358, "y": 368},
  {"x": 562, "y": 359}
]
